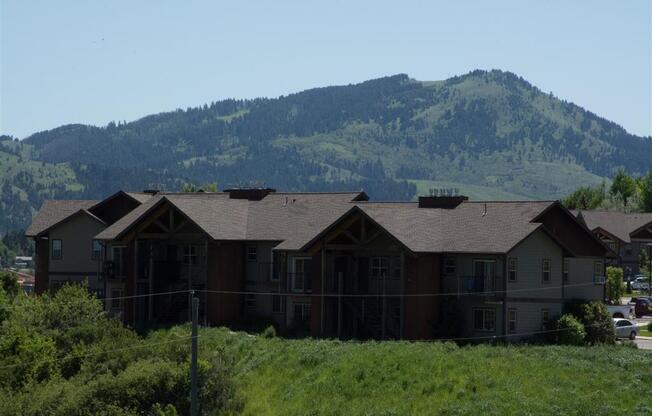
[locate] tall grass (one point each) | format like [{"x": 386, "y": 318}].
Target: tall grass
[{"x": 318, "y": 377}]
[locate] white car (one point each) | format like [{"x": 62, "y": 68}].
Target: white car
[
  {"x": 641, "y": 283},
  {"x": 625, "y": 328}
]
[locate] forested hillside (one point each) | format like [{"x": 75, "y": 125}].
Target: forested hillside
[{"x": 490, "y": 134}]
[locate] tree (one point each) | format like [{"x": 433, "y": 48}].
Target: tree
[
  {"x": 623, "y": 187},
  {"x": 208, "y": 187},
  {"x": 585, "y": 198},
  {"x": 598, "y": 323},
  {"x": 643, "y": 259},
  {"x": 570, "y": 331},
  {"x": 645, "y": 190},
  {"x": 615, "y": 287}
]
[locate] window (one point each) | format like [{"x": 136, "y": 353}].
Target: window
[
  {"x": 565, "y": 267},
  {"x": 190, "y": 255},
  {"x": 484, "y": 319},
  {"x": 250, "y": 302},
  {"x": 511, "y": 320},
  {"x": 301, "y": 275},
  {"x": 116, "y": 298},
  {"x": 379, "y": 267},
  {"x": 450, "y": 266},
  {"x": 278, "y": 304},
  {"x": 612, "y": 245},
  {"x": 96, "y": 252},
  {"x": 545, "y": 318},
  {"x": 302, "y": 313},
  {"x": 598, "y": 272},
  {"x": 119, "y": 261},
  {"x": 545, "y": 270},
  {"x": 628, "y": 249},
  {"x": 57, "y": 249},
  {"x": 252, "y": 253},
  {"x": 511, "y": 269}
]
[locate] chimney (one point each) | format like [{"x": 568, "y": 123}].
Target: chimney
[
  {"x": 251, "y": 194},
  {"x": 444, "y": 202},
  {"x": 151, "y": 191}
]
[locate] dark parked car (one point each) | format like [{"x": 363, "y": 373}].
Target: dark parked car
[{"x": 643, "y": 307}]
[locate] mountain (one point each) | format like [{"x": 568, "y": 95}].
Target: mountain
[{"x": 489, "y": 134}]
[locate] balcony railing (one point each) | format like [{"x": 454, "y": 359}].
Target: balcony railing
[{"x": 490, "y": 286}]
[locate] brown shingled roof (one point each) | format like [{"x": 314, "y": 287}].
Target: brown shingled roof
[
  {"x": 277, "y": 217},
  {"x": 619, "y": 224},
  {"x": 472, "y": 227},
  {"x": 52, "y": 212}
]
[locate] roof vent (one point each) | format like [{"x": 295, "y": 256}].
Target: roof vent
[
  {"x": 251, "y": 194},
  {"x": 445, "y": 202}
]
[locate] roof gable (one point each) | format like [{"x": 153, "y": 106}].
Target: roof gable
[{"x": 53, "y": 212}]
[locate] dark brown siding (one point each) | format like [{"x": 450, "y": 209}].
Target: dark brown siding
[
  {"x": 113, "y": 210},
  {"x": 420, "y": 312},
  {"x": 315, "y": 305},
  {"x": 571, "y": 234},
  {"x": 42, "y": 264},
  {"x": 225, "y": 273}
]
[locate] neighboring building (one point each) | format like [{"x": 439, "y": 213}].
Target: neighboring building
[
  {"x": 626, "y": 234},
  {"x": 64, "y": 231},
  {"x": 337, "y": 265},
  {"x": 23, "y": 262}
]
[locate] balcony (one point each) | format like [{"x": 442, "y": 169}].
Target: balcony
[{"x": 474, "y": 285}]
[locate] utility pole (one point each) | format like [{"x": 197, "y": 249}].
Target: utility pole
[{"x": 194, "y": 401}]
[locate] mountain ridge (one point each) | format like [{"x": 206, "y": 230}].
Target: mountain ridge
[{"x": 485, "y": 132}]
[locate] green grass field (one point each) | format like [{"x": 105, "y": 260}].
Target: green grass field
[{"x": 318, "y": 377}]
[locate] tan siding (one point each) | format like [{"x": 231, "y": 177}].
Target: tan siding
[
  {"x": 529, "y": 315},
  {"x": 581, "y": 273},
  {"x": 530, "y": 255},
  {"x": 76, "y": 235}
]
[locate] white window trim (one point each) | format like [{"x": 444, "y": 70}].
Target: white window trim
[
  {"x": 60, "y": 256},
  {"x": 255, "y": 253},
  {"x": 543, "y": 271},
  {"x": 509, "y": 269},
  {"x": 484, "y": 319},
  {"x": 510, "y": 320}
]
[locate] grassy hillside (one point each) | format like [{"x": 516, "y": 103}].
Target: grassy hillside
[
  {"x": 25, "y": 182},
  {"x": 298, "y": 377},
  {"x": 491, "y": 133}
]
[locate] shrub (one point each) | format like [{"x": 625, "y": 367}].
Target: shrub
[
  {"x": 649, "y": 326},
  {"x": 9, "y": 282},
  {"x": 597, "y": 323},
  {"x": 269, "y": 332},
  {"x": 615, "y": 286},
  {"x": 570, "y": 331}
]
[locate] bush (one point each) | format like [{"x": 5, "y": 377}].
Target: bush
[
  {"x": 570, "y": 331},
  {"x": 9, "y": 282},
  {"x": 615, "y": 286},
  {"x": 60, "y": 354},
  {"x": 598, "y": 323},
  {"x": 269, "y": 332}
]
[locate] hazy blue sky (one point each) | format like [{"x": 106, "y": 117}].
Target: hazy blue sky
[{"x": 93, "y": 62}]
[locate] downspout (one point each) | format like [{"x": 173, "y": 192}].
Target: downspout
[{"x": 504, "y": 329}]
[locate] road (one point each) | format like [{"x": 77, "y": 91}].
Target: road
[{"x": 644, "y": 343}]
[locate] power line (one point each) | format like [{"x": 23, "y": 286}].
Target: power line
[
  {"x": 391, "y": 295},
  {"x": 350, "y": 295}
]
